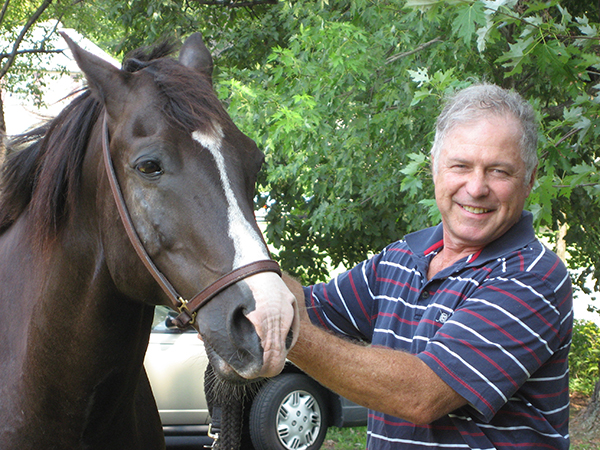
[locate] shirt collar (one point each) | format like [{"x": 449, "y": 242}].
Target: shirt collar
[{"x": 429, "y": 241}]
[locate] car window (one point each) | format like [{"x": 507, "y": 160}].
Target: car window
[{"x": 163, "y": 321}]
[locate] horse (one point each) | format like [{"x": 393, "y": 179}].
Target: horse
[{"x": 139, "y": 193}]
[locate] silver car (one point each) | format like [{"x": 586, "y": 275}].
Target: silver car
[{"x": 289, "y": 412}]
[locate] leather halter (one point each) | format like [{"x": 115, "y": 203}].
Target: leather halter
[{"x": 188, "y": 309}]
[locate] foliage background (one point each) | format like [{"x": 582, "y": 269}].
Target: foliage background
[
  {"x": 342, "y": 97},
  {"x": 584, "y": 358}
]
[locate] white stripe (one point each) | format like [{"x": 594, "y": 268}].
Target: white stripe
[
  {"x": 390, "y": 332},
  {"x": 566, "y": 277},
  {"x": 329, "y": 321},
  {"x": 567, "y": 317},
  {"x": 533, "y": 264},
  {"x": 487, "y": 341},
  {"x": 400, "y": 300},
  {"x": 533, "y": 291},
  {"x": 365, "y": 279},
  {"x": 554, "y": 411},
  {"x": 515, "y": 428},
  {"x": 543, "y": 379},
  {"x": 420, "y": 443},
  {"x": 337, "y": 288},
  {"x": 515, "y": 319},
  {"x": 248, "y": 245},
  {"x": 401, "y": 267},
  {"x": 473, "y": 369},
  {"x": 468, "y": 280},
  {"x": 442, "y": 307}
]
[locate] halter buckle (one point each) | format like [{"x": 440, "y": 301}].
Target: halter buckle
[{"x": 185, "y": 317}]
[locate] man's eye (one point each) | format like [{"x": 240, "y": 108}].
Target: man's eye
[{"x": 149, "y": 167}]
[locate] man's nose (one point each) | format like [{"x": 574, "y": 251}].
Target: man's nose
[{"x": 477, "y": 184}]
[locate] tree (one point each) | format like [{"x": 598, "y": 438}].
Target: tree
[
  {"x": 16, "y": 23},
  {"x": 345, "y": 104}
]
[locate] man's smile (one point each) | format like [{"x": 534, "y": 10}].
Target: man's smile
[{"x": 475, "y": 209}]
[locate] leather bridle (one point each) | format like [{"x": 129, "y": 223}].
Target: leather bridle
[{"x": 188, "y": 309}]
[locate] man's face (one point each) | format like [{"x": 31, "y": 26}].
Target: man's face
[{"x": 480, "y": 186}]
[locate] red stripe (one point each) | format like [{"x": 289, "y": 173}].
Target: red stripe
[
  {"x": 434, "y": 247},
  {"x": 460, "y": 381},
  {"x": 552, "y": 269},
  {"x": 504, "y": 332},
  {"x": 475, "y": 256},
  {"x": 397, "y": 283},
  {"x": 357, "y": 297},
  {"x": 517, "y": 299},
  {"x": 522, "y": 261},
  {"x": 487, "y": 358},
  {"x": 554, "y": 394},
  {"x": 315, "y": 309}
]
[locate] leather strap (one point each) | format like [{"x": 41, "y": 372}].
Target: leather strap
[{"x": 187, "y": 309}]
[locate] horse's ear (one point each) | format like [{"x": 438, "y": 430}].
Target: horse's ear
[
  {"x": 102, "y": 76},
  {"x": 195, "y": 55}
]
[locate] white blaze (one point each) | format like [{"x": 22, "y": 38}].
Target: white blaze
[
  {"x": 276, "y": 309},
  {"x": 247, "y": 244}
]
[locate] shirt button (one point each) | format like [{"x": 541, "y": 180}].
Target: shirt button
[{"x": 424, "y": 295}]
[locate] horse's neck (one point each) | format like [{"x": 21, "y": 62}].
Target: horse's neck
[{"x": 82, "y": 344}]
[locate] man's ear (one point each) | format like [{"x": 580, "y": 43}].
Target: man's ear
[{"x": 532, "y": 180}]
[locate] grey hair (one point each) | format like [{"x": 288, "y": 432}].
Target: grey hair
[{"x": 479, "y": 101}]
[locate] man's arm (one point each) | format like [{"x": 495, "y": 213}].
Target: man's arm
[{"x": 386, "y": 380}]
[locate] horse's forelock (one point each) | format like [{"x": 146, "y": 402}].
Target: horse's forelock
[
  {"x": 191, "y": 103},
  {"x": 148, "y": 54}
]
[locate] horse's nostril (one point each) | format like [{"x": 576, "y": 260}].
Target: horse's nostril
[
  {"x": 289, "y": 339},
  {"x": 240, "y": 325}
]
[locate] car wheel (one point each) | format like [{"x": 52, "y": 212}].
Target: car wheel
[{"x": 289, "y": 413}]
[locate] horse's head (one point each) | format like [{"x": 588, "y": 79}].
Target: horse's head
[{"x": 188, "y": 176}]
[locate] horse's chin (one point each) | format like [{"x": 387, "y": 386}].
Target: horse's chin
[{"x": 227, "y": 373}]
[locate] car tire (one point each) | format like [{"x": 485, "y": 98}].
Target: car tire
[{"x": 289, "y": 413}]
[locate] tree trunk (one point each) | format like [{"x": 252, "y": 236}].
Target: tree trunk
[
  {"x": 589, "y": 418},
  {"x": 2, "y": 131}
]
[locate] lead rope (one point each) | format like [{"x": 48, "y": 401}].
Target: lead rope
[{"x": 226, "y": 407}]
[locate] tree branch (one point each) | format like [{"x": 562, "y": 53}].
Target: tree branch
[
  {"x": 3, "y": 13},
  {"x": 7, "y": 65},
  {"x": 397, "y": 56},
  {"x": 576, "y": 186},
  {"x": 30, "y": 51}
]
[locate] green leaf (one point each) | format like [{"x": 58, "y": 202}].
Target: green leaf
[{"x": 469, "y": 17}]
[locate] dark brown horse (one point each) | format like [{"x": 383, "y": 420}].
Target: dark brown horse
[{"x": 76, "y": 300}]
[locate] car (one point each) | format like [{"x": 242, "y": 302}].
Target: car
[{"x": 289, "y": 411}]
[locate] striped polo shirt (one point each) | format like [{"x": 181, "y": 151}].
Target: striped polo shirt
[{"x": 495, "y": 326}]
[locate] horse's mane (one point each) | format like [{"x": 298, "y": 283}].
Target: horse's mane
[{"x": 43, "y": 166}]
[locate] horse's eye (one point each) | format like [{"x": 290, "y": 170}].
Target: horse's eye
[{"x": 149, "y": 167}]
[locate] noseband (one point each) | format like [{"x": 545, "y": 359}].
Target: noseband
[{"x": 188, "y": 309}]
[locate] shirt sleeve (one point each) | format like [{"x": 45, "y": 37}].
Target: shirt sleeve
[
  {"x": 346, "y": 304},
  {"x": 500, "y": 336}
]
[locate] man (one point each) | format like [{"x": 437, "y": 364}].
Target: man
[{"x": 469, "y": 323}]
